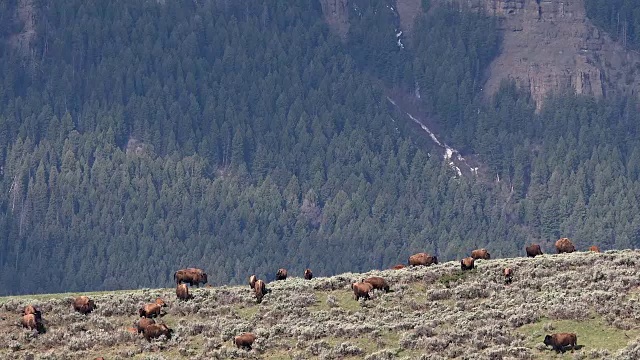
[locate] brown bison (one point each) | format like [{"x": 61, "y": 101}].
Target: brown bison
[
  {"x": 281, "y": 274},
  {"x": 423, "y": 259},
  {"x": 252, "y": 280},
  {"x": 244, "y": 340},
  {"x": 594, "y": 248},
  {"x": 564, "y": 245},
  {"x": 508, "y": 275},
  {"x": 378, "y": 283},
  {"x": 84, "y": 305},
  {"x": 308, "y": 274},
  {"x": 152, "y": 310},
  {"x": 182, "y": 292},
  {"x": 533, "y": 250},
  {"x": 397, "y": 267},
  {"x": 143, "y": 323},
  {"x": 31, "y": 322},
  {"x": 361, "y": 290},
  {"x": 260, "y": 289},
  {"x": 191, "y": 276},
  {"x": 30, "y": 309},
  {"x": 156, "y": 330},
  {"x": 467, "y": 263},
  {"x": 480, "y": 254},
  {"x": 561, "y": 340}
]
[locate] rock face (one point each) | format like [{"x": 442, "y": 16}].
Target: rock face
[
  {"x": 551, "y": 46},
  {"x": 336, "y": 14}
]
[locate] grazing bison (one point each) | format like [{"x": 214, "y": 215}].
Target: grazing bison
[
  {"x": 252, "y": 280},
  {"x": 143, "y": 323},
  {"x": 31, "y": 322},
  {"x": 561, "y": 340},
  {"x": 533, "y": 250},
  {"x": 361, "y": 290},
  {"x": 423, "y": 259},
  {"x": 508, "y": 275},
  {"x": 156, "y": 330},
  {"x": 397, "y": 267},
  {"x": 84, "y": 305},
  {"x": 182, "y": 292},
  {"x": 377, "y": 283},
  {"x": 467, "y": 263},
  {"x": 260, "y": 289},
  {"x": 244, "y": 340},
  {"x": 564, "y": 245},
  {"x": 594, "y": 248},
  {"x": 30, "y": 309},
  {"x": 281, "y": 274},
  {"x": 308, "y": 274},
  {"x": 152, "y": 310},
  {"x": 191, "y": 276},
  {"x": 480, "y": 254}
]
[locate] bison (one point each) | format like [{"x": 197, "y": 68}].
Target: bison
[
  {"x": 30, "y": 309},
  {"x": 252, "y": 280},
  {"x": 31, "y": 322},
  {"x": 143, "y": 323},
  {"x": 480, "y": 254},
  {"x": 560, "y": 341},
  {"x": 152, "y": 310},
  {"x": 397, "y": 267},
  {"x": 508, "y": 275},
  {"x": 361, "y": 290},
  {"x": 377, "y": 283},
  {"x": 83, "y": 305},
  {"x": 533, "y": 250},
  {"x": 244, "y": 340},
  {"x": 260, "y": 289},
  {"x": 191, "y": 276},
  {"x": 182, "y": 292},
  {"x": 156, "y": 330},
  {"x": 564, "y": 245},
  {"x": 423, "y": 259},
  {"x": 594, "y": 248},
  {"x": 467, "y": 263},
  {"x": 308, "y": 274},
  {"x": 281, "y": 274}
]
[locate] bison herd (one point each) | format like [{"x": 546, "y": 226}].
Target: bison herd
[{"x": 147, "y": 326}]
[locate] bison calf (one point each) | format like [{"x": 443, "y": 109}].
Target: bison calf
[
  {"x": 182, "y": 292},
  {"x": 30, "y": 309},
  {"x": 308, "y": 275},
  {"x": 31, "y": 322},
  {"x": 156, "y": 330},
  {"x": 245, "y": 340},
  {"x": 361, "y": 290},
  {"x": 252, "y": 281},
  {"x": 397, "y": 267},
  {"x": 377, "y": 283},
  {"x": 467, "y": 263},
  {"x": 151, "y": 310},
  {"x": 594, "y": 248},
  {"x": 560, "y": 341}
]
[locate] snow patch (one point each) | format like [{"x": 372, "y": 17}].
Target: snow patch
[{"x": 400, "y": 44}]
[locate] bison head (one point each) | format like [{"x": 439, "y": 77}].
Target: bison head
[
  {"x": 548, "y": 340},
  {"x": 203, "y": 278}
]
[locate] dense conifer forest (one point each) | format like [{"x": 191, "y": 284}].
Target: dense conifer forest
[{"x": 139, "y": 137}]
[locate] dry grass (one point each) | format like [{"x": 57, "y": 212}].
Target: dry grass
[{"x": 432, "y": 313}]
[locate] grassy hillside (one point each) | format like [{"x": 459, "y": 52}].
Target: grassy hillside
[{"x": 433, "y": 313}]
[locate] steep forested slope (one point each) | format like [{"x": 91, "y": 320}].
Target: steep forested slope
[{"x": 138, "y": 137}]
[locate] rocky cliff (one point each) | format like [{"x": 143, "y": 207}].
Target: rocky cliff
[
  {"x": 548, "y": 46},
  {"x": 551, "y": 46}
]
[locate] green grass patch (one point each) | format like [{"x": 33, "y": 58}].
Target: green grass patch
[
  {"x": 43, "y": 297},
  {"x": 592, "y": 334},
  {"x": 344, "y": 300},
  {"x": 446, "y": 279},
  {"x": 247, "y": 312}
]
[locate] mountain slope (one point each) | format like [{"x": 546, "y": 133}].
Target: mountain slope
[{"x": 437, "y": 312}]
